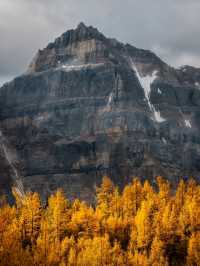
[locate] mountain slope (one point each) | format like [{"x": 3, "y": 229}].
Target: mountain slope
[{"x": 89, "y": 106}]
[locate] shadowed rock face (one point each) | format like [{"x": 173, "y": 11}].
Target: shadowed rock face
[{"x": 89, "y": 106}]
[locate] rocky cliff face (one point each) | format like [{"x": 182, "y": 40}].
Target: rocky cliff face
[{"x": 89, "y": 106}]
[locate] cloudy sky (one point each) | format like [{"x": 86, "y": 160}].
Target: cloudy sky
[{"x": 168, "y": 27}]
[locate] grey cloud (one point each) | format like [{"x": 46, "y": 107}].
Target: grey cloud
[{"x": 168, "y": 27}]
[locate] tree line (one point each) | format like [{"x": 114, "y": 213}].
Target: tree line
[{"x": 142, "y": 225}]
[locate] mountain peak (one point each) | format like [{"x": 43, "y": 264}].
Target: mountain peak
[
  {"x": 98, "y": 107},
  {"x": 88, "y": 32},
  {"x": 85, "y": 45},
  {"x": 81, "y": 25},
  {"x": 81, "y": 44}
]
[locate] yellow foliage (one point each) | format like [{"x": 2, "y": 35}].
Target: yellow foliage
[
  {"x": 143, "y": 225},
  {"x": 194, "y": 250}
]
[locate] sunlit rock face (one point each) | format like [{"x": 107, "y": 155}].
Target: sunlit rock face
[{"x": 90, "y": 106}]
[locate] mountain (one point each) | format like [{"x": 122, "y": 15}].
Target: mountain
[{"x": 89, "y": 106}]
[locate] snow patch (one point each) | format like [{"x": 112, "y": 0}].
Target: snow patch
[
  {"x": 157, "y": 116},
  {"x": 159, "y": 91},
  {"x": 164, "y": 141},
  {"x": 197, "y": 84},
  {"x": 146, "y": 85},
  {"x": 110, "y": 99},
  {"x": 79, "y": 67},
  {"x": 40, "y": 118},
  {"x": 188, "y": 123}
]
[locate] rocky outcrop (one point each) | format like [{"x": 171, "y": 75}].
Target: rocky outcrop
[{"x": 89, "y": 106}]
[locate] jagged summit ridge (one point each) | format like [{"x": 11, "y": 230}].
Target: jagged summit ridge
[
  {"x": 81, "y": 33},
  {"x": 83, "y": 45}
]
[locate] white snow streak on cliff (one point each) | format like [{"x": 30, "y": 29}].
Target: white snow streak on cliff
[
  {"x": 187, "y": 123},
  {"x": 110, "y": 99},
  {"x": 79, "y": 67},
  {"x": 158, "y": 116},
  {"x": 146, "y": 85}
]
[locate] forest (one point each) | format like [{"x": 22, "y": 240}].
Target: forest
[{"x": 142, "y": 225}]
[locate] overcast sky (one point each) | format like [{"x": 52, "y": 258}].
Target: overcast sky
[{"x": 171, "y": 28}]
